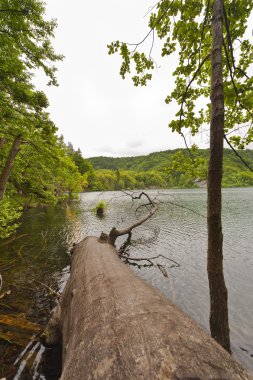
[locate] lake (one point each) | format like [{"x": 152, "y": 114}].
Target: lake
[{"x": 38, "y": 256}]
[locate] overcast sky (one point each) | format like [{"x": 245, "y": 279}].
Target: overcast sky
[{"x": 93, "y": 107}]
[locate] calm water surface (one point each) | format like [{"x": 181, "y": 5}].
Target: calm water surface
[{"x": 39, "y": 255}]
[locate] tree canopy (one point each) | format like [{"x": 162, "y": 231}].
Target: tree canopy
[
  {"x": 34, "y": 162},
  {"x": 184, "y": 27},
  {"x": 215, "y": 56}
]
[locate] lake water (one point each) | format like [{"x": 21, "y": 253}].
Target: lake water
[{"x": 39, "y": 255}]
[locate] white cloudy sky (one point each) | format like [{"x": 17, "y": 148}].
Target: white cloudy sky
[{"x": 93, "y": 107}]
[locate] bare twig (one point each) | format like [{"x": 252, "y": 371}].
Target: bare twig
[
  {"x": 151, "y": 8},
  {"x": 124, "y": 246},
  {"x": 151, "y": 202},
  {"x": 237, "y": 154},
  {"x": 115, "y": 233},
  {"x": 153, "y": 28},
  {"x": 184, "y": 96},
  {"x": 186, "y": 208},
  {"x": 203, "y": 28},
  {"x": 189, "y": 85},
  {"x": 230, "y": 44},
  {"x": 48, "y": 287}
]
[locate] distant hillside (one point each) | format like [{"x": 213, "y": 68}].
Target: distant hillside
[
  {"x": 157, "y": 161},
  {"x": 160, "y": 161},
  {"x": 168, "y": 169}
]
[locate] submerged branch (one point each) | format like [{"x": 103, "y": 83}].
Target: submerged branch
[{"x": 52, "y": 291}]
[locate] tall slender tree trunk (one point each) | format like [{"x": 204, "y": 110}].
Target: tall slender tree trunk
[
  {"x": 218, "y": 292},
  {"x": 4, "y": 177}
]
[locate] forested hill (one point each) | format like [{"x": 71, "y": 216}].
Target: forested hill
[
  {"x": 160, "y": 161},
  {"x": 154, "y": 161},
  {"x": 171, "y": 168}
]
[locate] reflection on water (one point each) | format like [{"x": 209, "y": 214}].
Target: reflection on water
[
  {"x": 30, "y": 262},
  {"x": 39, "y": 254}
]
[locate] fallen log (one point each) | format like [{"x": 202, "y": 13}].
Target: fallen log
[{"x": 113, "y": 325}]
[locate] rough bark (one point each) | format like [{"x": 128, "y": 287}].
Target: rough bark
[
  {"x": 219, "y": 325},
  {"x": 8, "y": 165},
  {"x": 113, "y": 325}
]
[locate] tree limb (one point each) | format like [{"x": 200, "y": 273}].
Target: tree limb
[
  {"x": 237, "y": 154},
  {"x": 115, "y": 233},
  {"x": 151, "y": 29}
]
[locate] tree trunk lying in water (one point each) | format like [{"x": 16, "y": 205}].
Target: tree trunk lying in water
[{"x": 115, "y": 326}]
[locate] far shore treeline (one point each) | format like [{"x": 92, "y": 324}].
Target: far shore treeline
[
  {"x": 37, "y": 168},
  {"x": 58, "y": 178},
  {"x": 167, "y": 169}
]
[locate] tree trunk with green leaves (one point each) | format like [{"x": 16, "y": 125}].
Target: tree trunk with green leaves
[
  {"x": 8, "y": 165},
  {"x": 195, "y": 28},
  {"x": 219, "y": 325}
]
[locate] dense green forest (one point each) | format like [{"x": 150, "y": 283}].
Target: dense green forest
[
  {"x": 36, "y": 166},
  {"x": 212, "y": 86},
  {"x": 171, "y": 168}
]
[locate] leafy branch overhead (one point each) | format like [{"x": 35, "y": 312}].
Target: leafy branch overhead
[
  {"x": 35, "y": 164},
  {"x": 184, "y": 27},
  {"x": 214, "y": 60}
]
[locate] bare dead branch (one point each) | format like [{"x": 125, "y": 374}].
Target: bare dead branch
[
  {"x": 124, "y": 246},
  {"x": 151, "y": 202},
  {"x": 153, "y": 28},
  {"x": 52, "y": 291},
  {"x": 115, "y": 233},
  {"x": 186, "y": 208},
  {"x": 151, "y": 8}
]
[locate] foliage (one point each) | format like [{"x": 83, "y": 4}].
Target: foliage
[
  {"x": 101, "y": 205},
  {"x": 172, "y": 168},
  {"x": 84, "y": 167},
  {"x": 195, "y": 167},
  {"x": 9, "y": 215},
  {"x": 43, "y": 169},
  {"x": 205, "y": 35},
  {"x": 100, "y": 208},
  {"x": 185, "y": 27}
]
